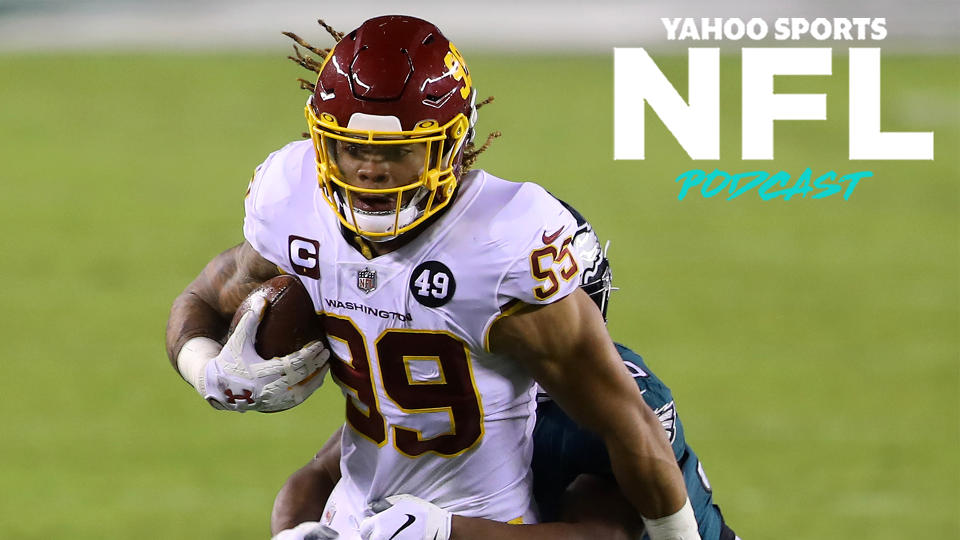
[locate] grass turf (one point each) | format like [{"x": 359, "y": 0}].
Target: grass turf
[{"x": 812, "y": 345}]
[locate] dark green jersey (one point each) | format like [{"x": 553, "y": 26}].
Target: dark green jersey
[{"x": 562, "y": 451}]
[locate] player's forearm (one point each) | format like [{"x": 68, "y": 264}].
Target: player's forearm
[
  {"x": 301, "y": 499},
  {"x": 646, "y": 468},
  {"x": 305, "y": 493},
  {"x": 465, "y": 528},
  {"x": 190, "y": 317},
  {"x": 204, "y": 308},
  {"x": 567, "y": 349}
]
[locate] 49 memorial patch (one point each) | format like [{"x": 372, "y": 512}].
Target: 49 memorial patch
[{"x": 432, "y": 284}]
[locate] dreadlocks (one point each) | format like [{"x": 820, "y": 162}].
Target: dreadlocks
[{"x": 470, "y": 152}]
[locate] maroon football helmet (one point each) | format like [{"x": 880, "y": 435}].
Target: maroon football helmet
[{"x": 397, "y": 88}]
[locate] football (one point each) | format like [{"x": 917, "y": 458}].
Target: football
[{"x": 289, "y": 321}]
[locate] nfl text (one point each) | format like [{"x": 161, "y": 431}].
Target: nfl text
[{"x": 695, "y": 121}]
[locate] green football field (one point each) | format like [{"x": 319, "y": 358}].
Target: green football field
[{"x": 812, "y": 345}]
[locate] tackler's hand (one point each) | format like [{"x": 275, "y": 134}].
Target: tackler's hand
[
  {"x": 406, "y": 517},
  {"x": 236, "y": 378}
]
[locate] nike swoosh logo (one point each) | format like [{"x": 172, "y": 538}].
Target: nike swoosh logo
[
  {"x": 548, "y": 239},
  {"x": 410, "y": 520}
]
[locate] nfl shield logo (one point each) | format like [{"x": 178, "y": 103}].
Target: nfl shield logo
[{"x": 367, "y": 280}]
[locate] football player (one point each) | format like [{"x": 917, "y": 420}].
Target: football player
[
  {"x": 445, "y": 294},
  {"x": 573, "y": 482}
]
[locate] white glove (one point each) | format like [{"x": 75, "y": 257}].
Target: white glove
[
  {"x": 405, "y": 517},
  {"x": 308, "y": 530},
  {"x": 236, "y": 378}
]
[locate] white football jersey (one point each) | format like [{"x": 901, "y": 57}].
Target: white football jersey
[{"x": 430, "y": 411}]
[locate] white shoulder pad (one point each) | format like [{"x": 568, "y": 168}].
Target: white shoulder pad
[
  {"x": 538, "y": 230},
  {"x": 285, "y": 181}
]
